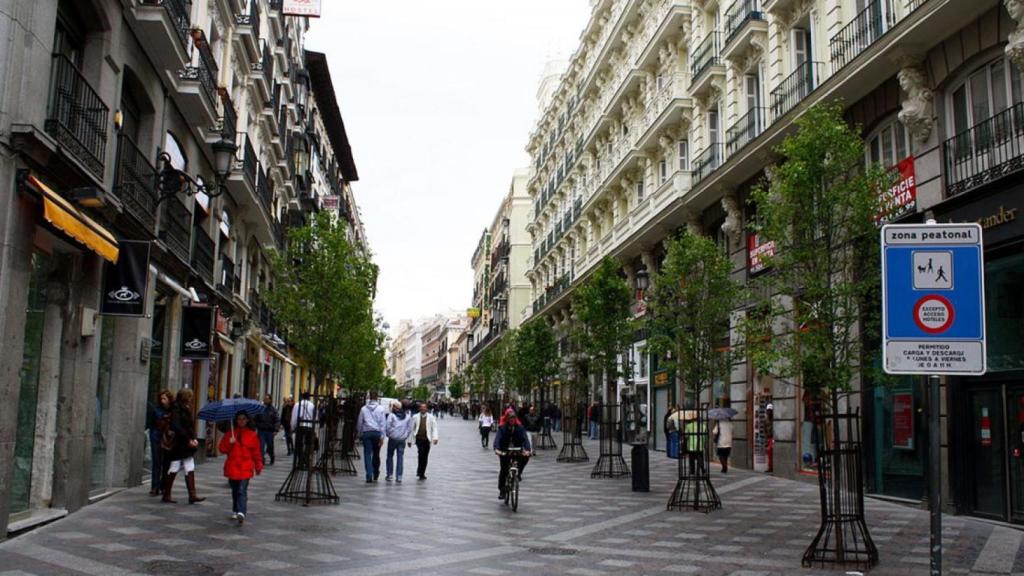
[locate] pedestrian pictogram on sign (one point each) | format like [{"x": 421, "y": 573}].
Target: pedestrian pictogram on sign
[{"x": 933, "y": 313}]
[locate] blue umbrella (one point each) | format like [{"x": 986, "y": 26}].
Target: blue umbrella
[
  {"x": 225, "y": 410},
  {"x": 721, "y": 413}
]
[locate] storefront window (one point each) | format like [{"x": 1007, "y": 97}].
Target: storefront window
[
  {"x": 1004, "y": 311},
  {"x": 24, "y": 441},
  {"x": 899, "y": 435},
  {"x": 99, "y": 426},
  {"x": 810, "y": 428}
]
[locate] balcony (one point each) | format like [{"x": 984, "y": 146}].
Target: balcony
[
  {"x": 745, "y": 129},
  {"x": 744, "y": 22},
  {"x": 166, "y": 25},
  {"x": 795, "y": 88},
  {"x": 264, "y": 191},
  {"x": 227, "y": 280},
  {"x": 245, "y": 158},
  {"x": 986, "y": 152},
  {"x": 248, "y": 23},
  {"x": 227, "y": 124},
  {"x": 264, "y": 72},
  {"x": 175, "y": 228},
  {"x": 861, "y": 32},
  {"x": 202, "y": 255},
  {"x": 77, "y": 117},
  {"x": 706, "y": 65},
  {"x": 197, "y": 85},
  {"x": 707, "y": 162},
  {"x": 135, "y": 183}
]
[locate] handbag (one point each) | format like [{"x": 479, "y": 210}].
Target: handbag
[{"x": 167, "y": 440}]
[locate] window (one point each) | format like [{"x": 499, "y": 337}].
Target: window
[
  {"x": 983, "y": 95},
  {"x": 660, "y": 81},
  {"x": 684, "y": 154},
  {"x": 888, "y": 145},
  {"x": 662, "y": 171},
  {"x": 713, "y": 128},
  {"x": 640, "y": 191}
]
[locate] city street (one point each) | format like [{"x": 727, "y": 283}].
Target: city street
[{"x": 452, "y": 523}]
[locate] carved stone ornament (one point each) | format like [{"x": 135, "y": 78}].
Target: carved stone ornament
[
  {"x": 1015, "y": 44},
  {"x": 717, "y": 89},
  {"x": 916, "y": 112},
  {"x": 733, "y": 217},
  {"x": 693, "y": 225}
]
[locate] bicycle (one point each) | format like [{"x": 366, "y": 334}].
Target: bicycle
[{"x": 512, "y": 478}]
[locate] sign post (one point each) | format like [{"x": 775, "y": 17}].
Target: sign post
[{"x": 933, "y": 323}]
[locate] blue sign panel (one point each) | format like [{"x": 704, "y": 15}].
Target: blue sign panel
[{"x": 933, "y": 299}]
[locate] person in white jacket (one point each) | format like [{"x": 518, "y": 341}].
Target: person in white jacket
[
  {"x": 424, "y": 432},
  {"x": 398, "y": 426},
  {"x": 486, "y": 421}
]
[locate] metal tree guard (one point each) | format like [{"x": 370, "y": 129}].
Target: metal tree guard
[
  {"x": 309, "y": 481},
  {"x": 546, "y": 442},
  {"x": 843, "y": 538},
  {"x": 572, "y": 433},
  {"x": 694, "y": 490},
  {"x": 338, "y": 458},
  {"x": 610, "y": 464}
]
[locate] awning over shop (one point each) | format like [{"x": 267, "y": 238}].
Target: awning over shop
[
  {"x": 74, "y": 223},
  {"x": 279, "y": 355}
]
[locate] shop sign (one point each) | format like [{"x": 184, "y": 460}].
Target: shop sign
[
  {"x": 759, "y": 252},
  {"x": 223, "y": 323},
  {"x": 1000, "y": 214},
  {"x": 195, "y": 332},
  {"x": 933, "y": 299},
  {"x": 903, "y": 420},
  {"x": 661, "y": 378},
  {"x": 900, "y": 198},
  {"x": 309, "y": 8},
  {"x": 126, "y": 283},
  {"x": 331, "y": 202}
]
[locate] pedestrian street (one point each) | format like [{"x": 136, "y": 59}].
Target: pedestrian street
[{"x": 453, "y": 523}]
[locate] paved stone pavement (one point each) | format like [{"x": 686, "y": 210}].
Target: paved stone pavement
[{"x": 453, "y": 523}]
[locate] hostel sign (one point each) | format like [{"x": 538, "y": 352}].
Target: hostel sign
[{"x": 933, "y": 299}]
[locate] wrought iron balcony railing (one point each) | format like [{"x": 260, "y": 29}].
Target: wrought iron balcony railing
[
  {"x": 706, "y": 54},
  {"x": 245, "y": 157},
  {"x": 250, "y": 18},
  {"x": 228, "y": 118},
  {"x": 175, "y": 229},
  {"x": 748, "y": 127},
  {"x": 985, "y": 152},
  {"x": 741, "y": 12},
  {"x": 178, "y": 11},
  {"x": 707, "y": 162},
  {"x": 135, "y": 183},
  {"x": 264, "y": 190},
  {"x": 202, "y": 255},
  {"x": 865, "y": 28},
  {"x": 77, "y": 116},
  {"x": 227, "y": 275},
  {"x": 204, "y": 70},
  {"x": 266, "y": 63},
  {"x": 796, "y": 87}
]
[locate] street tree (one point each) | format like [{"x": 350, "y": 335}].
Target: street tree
[
  {"x": 457, "y": 387},
  {"x": 605, "y": 326},
  {"x": 323, "y": 299},
  {"x": 534, "y": 357},
  {"x": 691, "y": 303},
  {"x": 819, "y": 209}
]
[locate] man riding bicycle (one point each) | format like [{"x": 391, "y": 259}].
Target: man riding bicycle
[{"x": 511, "y": 434}]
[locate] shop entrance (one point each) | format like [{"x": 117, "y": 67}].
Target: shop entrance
[{"x": 996, "y": 455}]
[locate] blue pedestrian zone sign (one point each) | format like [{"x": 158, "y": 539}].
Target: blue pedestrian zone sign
[{"x": 933, "y": 299}]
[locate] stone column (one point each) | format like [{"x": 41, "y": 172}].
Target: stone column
[{"x": 128, "y": 402}]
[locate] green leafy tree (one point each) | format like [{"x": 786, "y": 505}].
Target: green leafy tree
[
  {"x": 388, "y": 387},
  {"x": 457, "y": 387},
  {"x": 605, "y": 326},
  {"x": 323, "y": 298},
  {"x": 534, "y": 356},
  {"x": 421, "y": 393},
  {"x": 691, "y": 302}
]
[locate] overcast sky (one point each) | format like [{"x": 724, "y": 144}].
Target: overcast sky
[{"x": 438, "y": 98}]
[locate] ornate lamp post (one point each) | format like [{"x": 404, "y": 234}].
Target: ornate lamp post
[{"x": 171, "y": 181}]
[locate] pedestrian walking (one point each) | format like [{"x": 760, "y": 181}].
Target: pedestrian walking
[
  {"x": 397, "y": 430},
  {"x": 244, "y": 458},
  {"x": 486, "y": 422},
  {"x": 424, "y": 432},
  {"x": 303, "y": 424},
  {"x": 722, "y": 433},
  {"x": 158, "y": 422},
  {"x": 371, "y": 427},
  {"x": 267, "y": 423},
  {"x": 286, "y": 423},
  {"x": 532, "y": 420},
  {"x": 183, "y": 446},
  {"x": 594, "y": 417}
]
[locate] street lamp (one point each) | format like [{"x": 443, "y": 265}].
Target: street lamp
[
  {"x": 171, "y": 181},
  {"x": 643, "y": 280}
]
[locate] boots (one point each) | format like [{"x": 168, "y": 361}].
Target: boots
[
  {"x": 190, "y": 482},
  {"x": 168, "y": 483}
]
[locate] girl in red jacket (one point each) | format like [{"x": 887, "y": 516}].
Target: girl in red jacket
[{"x": 242, "y": 446}]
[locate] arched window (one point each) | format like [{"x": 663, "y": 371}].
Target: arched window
[{"x": 174, "y": 149}]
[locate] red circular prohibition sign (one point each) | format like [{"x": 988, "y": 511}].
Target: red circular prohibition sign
[{"x": 937, "y": 329}]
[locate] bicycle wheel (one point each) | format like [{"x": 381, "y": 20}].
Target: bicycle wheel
[
  {"x": 508, "y": 490},
  {"x": 514, "y": 492}
]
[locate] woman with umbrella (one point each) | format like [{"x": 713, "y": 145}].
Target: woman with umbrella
[
  {"x": 721, "y": 432},
  {"x": 244, "y": 458}
]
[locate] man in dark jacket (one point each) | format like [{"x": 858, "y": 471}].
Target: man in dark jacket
[
  {"x": 511, "y": 434},
  {"x": 286, "y": 423},
  {"x": 266, "y": 425}
]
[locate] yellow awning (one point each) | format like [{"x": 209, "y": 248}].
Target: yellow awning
[{"x": 74, "y": 223}]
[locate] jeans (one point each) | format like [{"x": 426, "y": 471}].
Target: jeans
[
  {"x": 288, "y": 439},
  {"x": 156, "y": 455},
  {"x": 239, "y": 495},
  {"x": 423, "y": 452},
  {"x": 593, "y": 430},
  {"x": 485, "y": 435},
  {"x": 557, "y": 423},
  {"x": 395, "y": 446},
  {"x": 267, "y": 444},
  {"x": 371, "y": 454}
]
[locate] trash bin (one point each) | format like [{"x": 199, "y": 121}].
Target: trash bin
[{"x": 641, "y": 468}]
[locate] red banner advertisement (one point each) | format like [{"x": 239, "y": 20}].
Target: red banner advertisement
[
  {"x": 309, "y": 8},
  {"x": 759, "y": 253},
  {"x": 903, "y": 420},
  {"x": 901, "y": 197}
]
